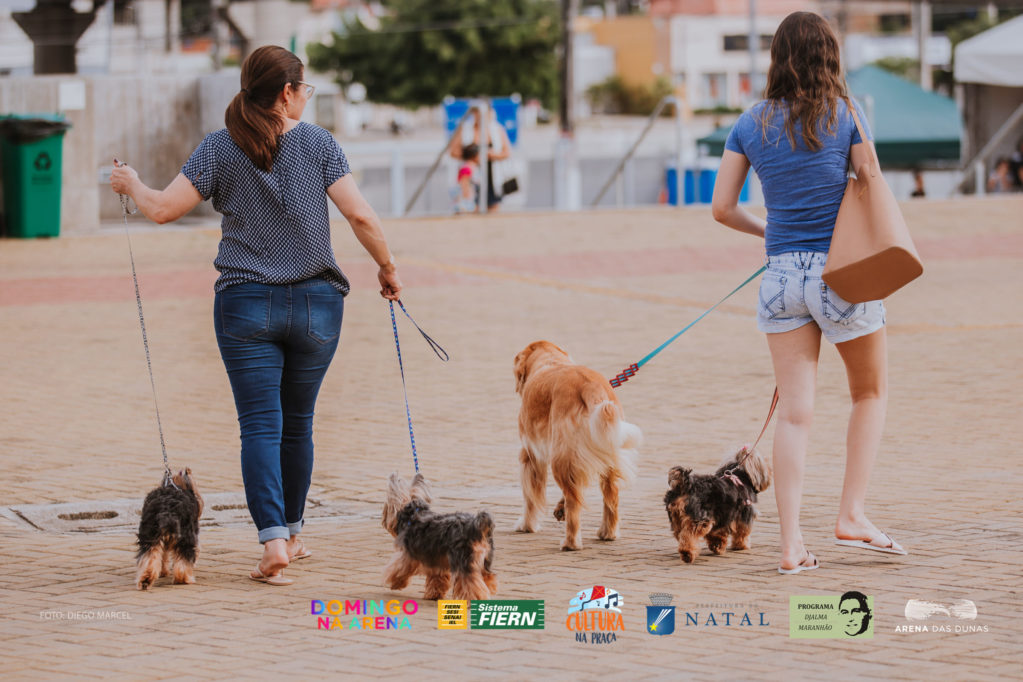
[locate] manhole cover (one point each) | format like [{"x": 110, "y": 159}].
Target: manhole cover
[{"x": 122, "y": 516}]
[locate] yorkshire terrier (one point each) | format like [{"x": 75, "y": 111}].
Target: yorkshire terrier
[
  {"x": 440, "y": 546},
  {"x": 716, "y": 506},
  {"x": 169, "y": 531}
]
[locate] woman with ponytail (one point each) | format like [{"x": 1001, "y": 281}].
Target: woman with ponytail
[
  {"x": 280, "y": 295},
  {"x": 799, "y": 140}
]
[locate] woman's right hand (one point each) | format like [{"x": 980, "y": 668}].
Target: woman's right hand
[
  {"x": 122, "y": 178},
  {"x": 390, "y": 284}
]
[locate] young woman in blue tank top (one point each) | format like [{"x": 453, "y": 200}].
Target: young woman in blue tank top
[
  {"x": 280, "y": 295},
  {"x": 799, "y": 141}
]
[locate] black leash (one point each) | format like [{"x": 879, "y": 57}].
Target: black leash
[{"x": 167, "y": 478}]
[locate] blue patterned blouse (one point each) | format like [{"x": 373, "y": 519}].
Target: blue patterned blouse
[{"x": 275, "y": 226}]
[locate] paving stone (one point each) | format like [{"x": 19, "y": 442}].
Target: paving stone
[{"x": 77, "y": 428}]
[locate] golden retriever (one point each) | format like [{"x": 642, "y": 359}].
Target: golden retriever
[{"x": 571, "y": 421}]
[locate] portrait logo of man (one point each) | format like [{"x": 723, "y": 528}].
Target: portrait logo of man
[
  {"x": 452, "y": 614},
  {"x": 660, "y": 618},
  {"x": 935, "y": 616},
  {"x": 507, "y": 614},
  {"x": 846, "y": 616},
  {"x": 596, "y": 611}
]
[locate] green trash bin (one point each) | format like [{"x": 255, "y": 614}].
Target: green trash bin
[{"x": 30, "y": 147}]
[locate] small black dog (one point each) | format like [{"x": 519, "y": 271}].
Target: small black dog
[
  {"x": 440, "y": 546},
  {"x": 718, "y": 505},
  {"x": 169, "y": 531}
]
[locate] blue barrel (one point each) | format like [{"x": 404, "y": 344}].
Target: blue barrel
[{"x": 697, "y": 186}]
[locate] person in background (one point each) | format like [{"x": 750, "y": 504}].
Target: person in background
[
  {"x": 498, "y": 149},
  {"x": 468, "y": 180},
  {"x": 1000, "y": 180},
  {"x": 918, "y": 184}
]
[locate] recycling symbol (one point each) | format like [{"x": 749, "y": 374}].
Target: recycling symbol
[{"x": 43, "y": 162}]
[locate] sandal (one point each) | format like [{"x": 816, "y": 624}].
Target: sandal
[
  {"x": 802, "y": 565},
  {"x": 883, "y": 543},
  {"x": 278, "y": 580}
]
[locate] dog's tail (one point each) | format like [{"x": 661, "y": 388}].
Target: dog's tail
[{"x": 612, "y": 436}]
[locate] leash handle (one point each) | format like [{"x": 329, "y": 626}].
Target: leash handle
[
  {"x": 167, "y": 477},
  {"x": 434, "y": 346},
  {"x": 632, "y": 369}
]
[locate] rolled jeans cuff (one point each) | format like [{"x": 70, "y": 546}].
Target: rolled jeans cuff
[
  {"x": 274, "y": 533},
  {"x": 296, "y": 528}
]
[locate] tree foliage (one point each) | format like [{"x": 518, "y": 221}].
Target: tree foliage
[{"x": 424, "y": 50}]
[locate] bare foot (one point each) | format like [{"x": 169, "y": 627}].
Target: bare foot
[
  {"x": 792, "y": 556},
  {"x": 856, "y": 528},
  {"x": 296, "y": 548},
  {"x": 275, "y": 557}
]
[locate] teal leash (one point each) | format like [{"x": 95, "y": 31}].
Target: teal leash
[{"x": 632, "y": 369}]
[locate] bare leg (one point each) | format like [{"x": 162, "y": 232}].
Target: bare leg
[
  {"x": 609, "y": 489},
  {"x": 794, "y": 355},
  {"x": 866, "y": 363},
  {"x": 534, "y": 492}
]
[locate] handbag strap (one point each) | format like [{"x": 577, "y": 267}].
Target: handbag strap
[{"x": 863, "y": 138}]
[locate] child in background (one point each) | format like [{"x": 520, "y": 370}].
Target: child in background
[{"x": 468, "y": 180}]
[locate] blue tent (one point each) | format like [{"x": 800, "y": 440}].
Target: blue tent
[{"x": 911, "y": 127}]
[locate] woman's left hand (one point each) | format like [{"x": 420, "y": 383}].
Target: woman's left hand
[{"x": 390, "y": 284}]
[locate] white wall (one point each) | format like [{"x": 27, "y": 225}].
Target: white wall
[{"x": 697, "y": 48}]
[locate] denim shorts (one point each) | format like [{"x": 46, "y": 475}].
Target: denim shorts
[{"x": 792, "y": 294}]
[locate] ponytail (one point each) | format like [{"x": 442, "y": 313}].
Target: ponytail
[{"x": 252, "y": 118}]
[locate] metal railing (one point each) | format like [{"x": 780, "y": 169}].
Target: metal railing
[
  {"x": 665, "y": 101},
  {"x": 976, "y": 167}
]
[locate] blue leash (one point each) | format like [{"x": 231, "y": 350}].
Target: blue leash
[
  {"x": 440, "y": 352},
  {"x": 632, "y": 369}
]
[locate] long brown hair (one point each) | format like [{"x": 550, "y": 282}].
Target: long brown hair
[
  {"x": 252, "y": 118},
  {"x": 806, "y": 72}
]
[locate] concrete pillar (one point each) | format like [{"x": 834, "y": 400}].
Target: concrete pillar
[
  {"x": 54, "y": 28},
  {"x": 922, "y": 28}
]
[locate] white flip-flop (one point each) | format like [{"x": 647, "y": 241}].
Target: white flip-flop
[
  {"x": 891, "y": 548},
  {"x": 802, "y": 565}
]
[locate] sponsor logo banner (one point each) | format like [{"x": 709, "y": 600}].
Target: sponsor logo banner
[
  {"x": 452, "y": 614},
  {"x": 507, "y": 614},
  {"x": 846, "y": 616}
]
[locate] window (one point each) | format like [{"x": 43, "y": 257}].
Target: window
[
  {"x": 124, "y": 12},
  {"x": 715, "y": 90},
  {"x": 740, "y": 43}
]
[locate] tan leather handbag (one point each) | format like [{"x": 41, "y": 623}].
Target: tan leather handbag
[{"x": 872, "y": 254}]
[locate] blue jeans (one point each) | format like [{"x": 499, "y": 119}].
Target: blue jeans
[{"x": 277, "y": 342}]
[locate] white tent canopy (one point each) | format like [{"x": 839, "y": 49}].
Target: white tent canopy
[{"x": 995, "y": 57}]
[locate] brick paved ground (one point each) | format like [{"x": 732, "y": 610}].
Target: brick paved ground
[{"x": 76, "y": 425}]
